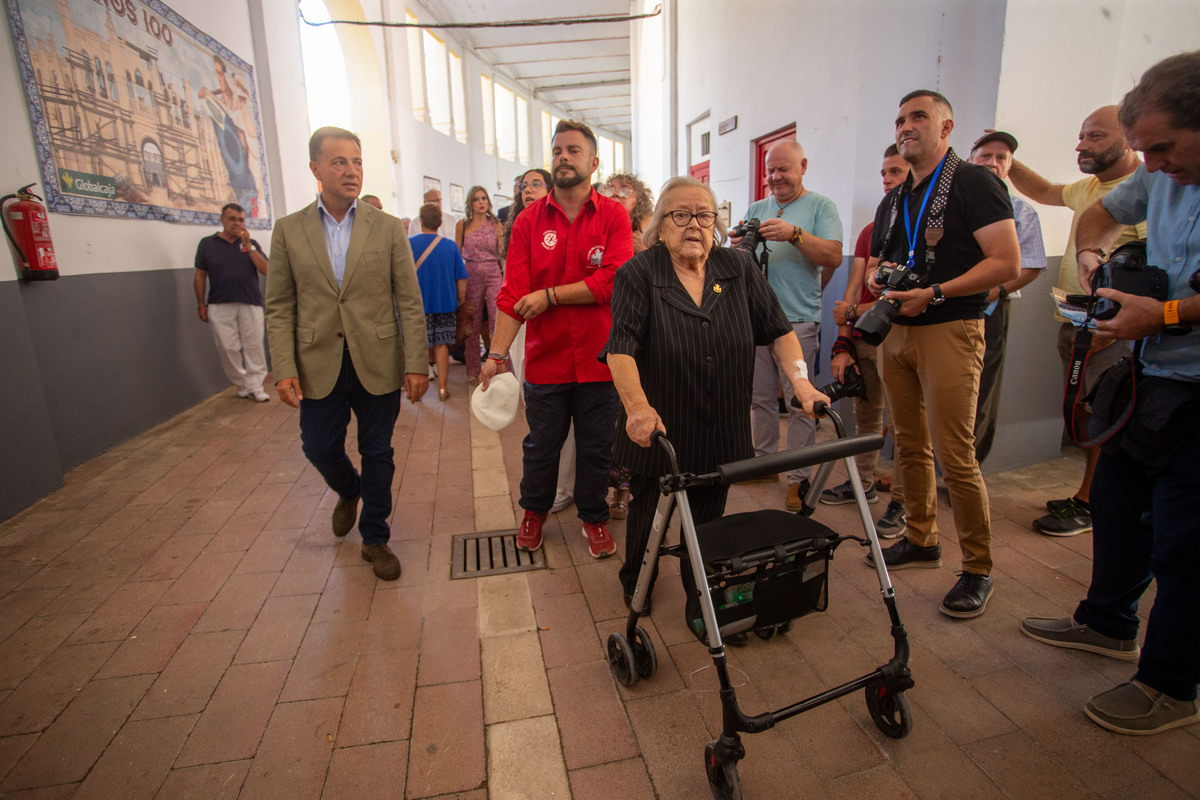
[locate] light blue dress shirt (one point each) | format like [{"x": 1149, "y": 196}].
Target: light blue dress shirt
[
  {"x": 1173, "y": 244},
  {"x": 337, "y": 236}
]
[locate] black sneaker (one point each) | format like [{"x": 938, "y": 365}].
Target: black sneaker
[
  {"x": 904, "y": 554},
  {"x": 892, "y": 524},
  {"x": 1055, "y": 505},
  {"x": 842, "y": 494},
  {"x": 1070, "y": 519},
  {"x": 969, "y": 596}
]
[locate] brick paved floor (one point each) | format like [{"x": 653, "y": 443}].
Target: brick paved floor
[{"x": 178, "y": 622}]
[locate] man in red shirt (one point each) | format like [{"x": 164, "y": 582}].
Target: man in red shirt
[{"x": 563, "y": 253}]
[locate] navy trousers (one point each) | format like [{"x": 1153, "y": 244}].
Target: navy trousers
[
  {"x": 323, "y": 426},
  {"x": 1146, "y": 524},
  {"x": 550, "y": 408}
]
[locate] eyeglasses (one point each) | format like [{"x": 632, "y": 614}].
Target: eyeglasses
[
  {"x": 531, "y": 185},
  {"x": 704, "y": 219},
  {"x": 611, "y": 191}
]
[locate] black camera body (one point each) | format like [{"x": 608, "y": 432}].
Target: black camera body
[
  {"x": 751, "y": 241},
  {"x": 851, "y": 385},
  {"x": 751, "y": 238},
  {"x": 1127, "y": 271},
  {"x": 875, "y": 324}
]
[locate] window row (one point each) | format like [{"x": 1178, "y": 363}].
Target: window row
[{"x": 436, "y": 75}]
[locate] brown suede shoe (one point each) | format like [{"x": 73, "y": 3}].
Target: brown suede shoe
[
  {"x": 383, "y": 560},
  {"x": 344, "y": 515}
]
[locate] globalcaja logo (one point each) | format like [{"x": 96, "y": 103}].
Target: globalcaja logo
[{"x": 88, "y": 185}]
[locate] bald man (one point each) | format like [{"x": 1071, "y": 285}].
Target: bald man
[
  {"x": 1107, "y": 160},
  {"x": 449, "y": 218},
  {"x": 804, "y": 234}
]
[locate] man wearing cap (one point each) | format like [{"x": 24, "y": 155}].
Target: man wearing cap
[
  {"x": 562, "y": 259},
  {"x": 994, "y": 151},
  {"x": 1107, "y": 160}
]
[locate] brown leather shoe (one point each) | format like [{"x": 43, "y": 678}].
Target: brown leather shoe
[
  {"x": 383, "y": 560},
  {"x": 344, "y": 515}
]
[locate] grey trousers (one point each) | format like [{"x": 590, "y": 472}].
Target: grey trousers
[{"x": 764, "y": 408}]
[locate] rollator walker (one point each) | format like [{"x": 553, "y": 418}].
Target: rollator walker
[{"x": 758, "y": 572}]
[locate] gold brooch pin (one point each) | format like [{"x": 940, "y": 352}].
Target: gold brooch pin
[{"x": 717, "y": 288}]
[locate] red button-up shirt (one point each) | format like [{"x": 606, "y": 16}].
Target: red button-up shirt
[{"x": 561, "y": 344}]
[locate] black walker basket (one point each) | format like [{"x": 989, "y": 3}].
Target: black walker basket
[
  {"x": 764, "y": 569},
  {"x": 759, "y": 571}
]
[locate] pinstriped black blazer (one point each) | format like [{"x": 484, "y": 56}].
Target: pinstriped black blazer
[{"x": 696, "y": 363}]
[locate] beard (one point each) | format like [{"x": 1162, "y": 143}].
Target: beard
[
  {"x": 567, "y": 181},
  {"x": 1102, "y": 160}
]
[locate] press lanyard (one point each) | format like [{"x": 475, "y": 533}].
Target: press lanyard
[{"x": 908, "y": 226}]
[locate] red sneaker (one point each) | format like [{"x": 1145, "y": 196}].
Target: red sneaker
[
  {"x": 529, "y": 537},
  {"x": 600, "y": 544}
]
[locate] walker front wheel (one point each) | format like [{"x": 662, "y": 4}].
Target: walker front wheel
[
  {"x": 644, "y": 658},
  {"x": 723, "y": 778},
  {"x": 889, "y": 710}
]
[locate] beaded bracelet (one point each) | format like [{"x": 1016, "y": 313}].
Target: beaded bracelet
[{"x": 496, "y": 357}]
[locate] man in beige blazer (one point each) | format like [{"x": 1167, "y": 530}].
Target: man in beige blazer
[{"x": 346, "y": 327}]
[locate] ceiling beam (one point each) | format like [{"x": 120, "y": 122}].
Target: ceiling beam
[
  {"x": 586, "y": 85},
  {"x": 555, "y": 41}
]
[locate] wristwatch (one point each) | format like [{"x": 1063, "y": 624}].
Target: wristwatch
[
  {"x": 797, "y": 237},
  {"x": 938, "y": 297},
  {"x": 1171, "y": 324}
]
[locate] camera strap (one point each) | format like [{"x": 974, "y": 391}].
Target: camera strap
[
  {"x": 1074, "y": 402},
  {"x": 940, "y": 184}
]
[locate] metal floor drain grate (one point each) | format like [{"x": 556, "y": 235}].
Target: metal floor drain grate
[{"x": 494, "y": 553}]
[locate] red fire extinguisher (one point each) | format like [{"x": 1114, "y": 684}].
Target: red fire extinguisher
[{"x": 30, "y": 234}]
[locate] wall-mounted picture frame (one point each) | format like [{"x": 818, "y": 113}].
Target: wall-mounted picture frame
[{"x": 458, "y": 198}]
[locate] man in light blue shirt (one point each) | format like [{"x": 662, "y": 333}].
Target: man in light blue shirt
[
  {"x": 337, "y": 236},
  {"x": 803, "y": 232},
  {"x": 1146, "y": 493},
  {"x": 346, "y": 325}
]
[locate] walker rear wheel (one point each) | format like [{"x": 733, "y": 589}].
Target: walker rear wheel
[
  {"x": 889, "y": 710},
  {"x": 620, "y": 660},
  {"x": 723, "y": 779}
]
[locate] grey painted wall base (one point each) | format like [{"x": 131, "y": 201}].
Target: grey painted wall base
[
  {"x": 89, "y": 362},
  {"x": 29, "y": 463},
  {"x": 1030, "y": 426}
]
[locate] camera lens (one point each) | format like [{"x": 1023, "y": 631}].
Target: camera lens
[{"x": 875, "y": 324}]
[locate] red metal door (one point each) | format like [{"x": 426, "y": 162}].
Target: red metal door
[{"x": 759, "y": 189}]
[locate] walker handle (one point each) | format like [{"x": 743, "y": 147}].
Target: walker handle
[
  {"x": 809, "y": 456},
  {"x": 672, "y": 460}
]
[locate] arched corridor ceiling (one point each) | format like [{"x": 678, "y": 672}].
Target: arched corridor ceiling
[{"x": 583, "y": 69}]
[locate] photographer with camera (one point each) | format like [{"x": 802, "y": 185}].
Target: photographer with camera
[
  {"x": 803, "y": 233},
  {"x": 944, "y": 238},
  {"x": 852, "y": 355},
  {"x": 1146, "y": 490},
  {"x": 1105, "y": 158}
]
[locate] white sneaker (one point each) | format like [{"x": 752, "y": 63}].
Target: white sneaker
[
  {"x": 260, "y": 396},
  {"x": 243, "y": 391},
  {"x": 561, "y": 501},
  {"x": 432, "y": 371}
]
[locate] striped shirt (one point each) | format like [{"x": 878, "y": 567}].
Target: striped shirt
[{"x": 696, "y": 364}]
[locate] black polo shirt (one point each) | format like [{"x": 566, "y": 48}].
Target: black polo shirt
[
  {"x": 232, "y": 276},
  {"x": 977, "y": 199},
  {"x": 696, "y": 364}
]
